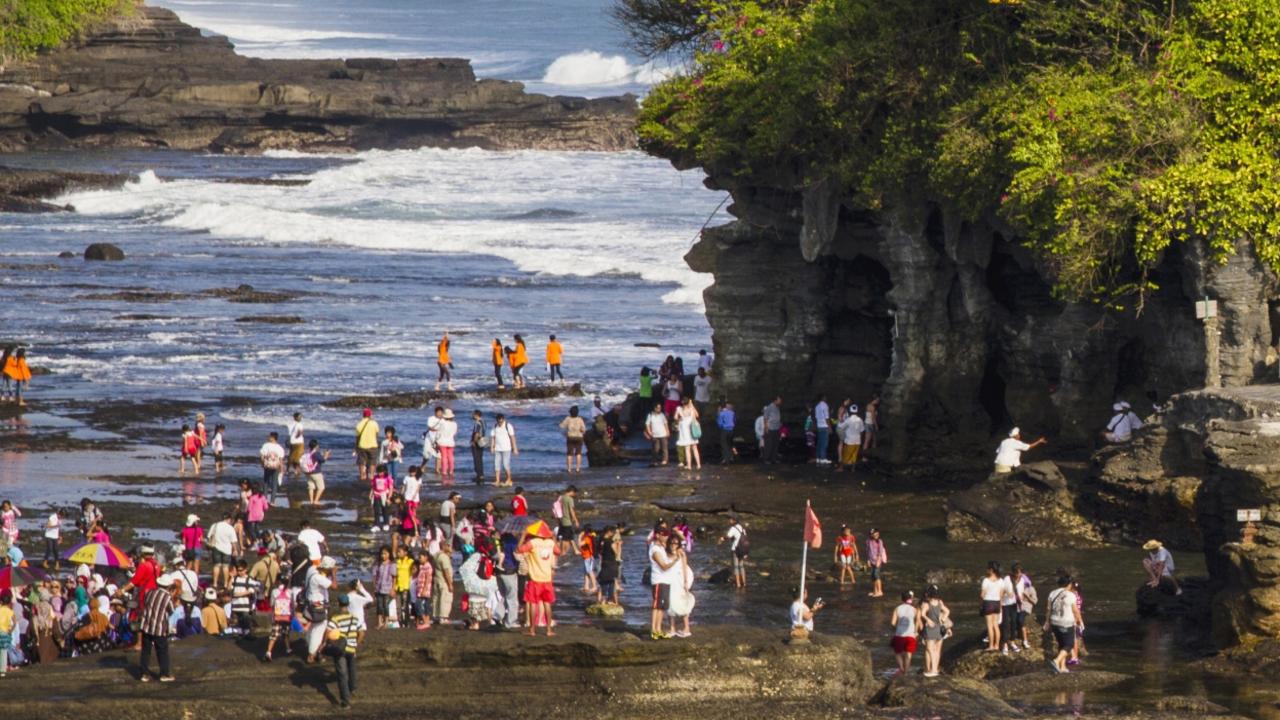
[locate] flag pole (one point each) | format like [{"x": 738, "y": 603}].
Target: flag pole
[{"x": 804, "y": 557}]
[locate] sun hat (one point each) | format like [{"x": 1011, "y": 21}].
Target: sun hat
[
  {"x": 853, "y": 409},
  {"x": 328, "y": 562},
  {"x": 165, "y": 581},
  {"x": 1015, "y": 432},
  {"x": 192, "y": 519},
  {"x": 146, "y": 550},
  {"x": 1117, "y": 406},
  {"x": 1152, "y": 545},
  {"x": 448, "y": 413},
  {"x": 210, "y": 594}
]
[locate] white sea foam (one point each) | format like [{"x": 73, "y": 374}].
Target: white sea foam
[
  {"x": 590, "y": 68},
  {"x": 632, "y": 214},
  {"x": 280, "y": 418}
]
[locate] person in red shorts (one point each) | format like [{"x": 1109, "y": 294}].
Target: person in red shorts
[
  {"x": 906, "y": 625},
  {"x": 540, "y": 550}
]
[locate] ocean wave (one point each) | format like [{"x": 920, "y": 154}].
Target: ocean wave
[{"x": 589, "y": 68}]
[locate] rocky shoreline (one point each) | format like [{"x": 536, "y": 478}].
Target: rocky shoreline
[{"x": 149, "y": 80}]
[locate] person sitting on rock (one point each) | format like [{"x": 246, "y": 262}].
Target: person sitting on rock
[
  {"x": 1119, "y": 429},
  {"x": 1159, "y": 565},
  {"x": 1009, "y": 454}
]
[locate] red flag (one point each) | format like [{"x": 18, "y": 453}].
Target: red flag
[{"x": 812, "y": 528}]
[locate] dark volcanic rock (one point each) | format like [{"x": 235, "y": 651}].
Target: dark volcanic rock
[
  {"x": 247, "y": 294},
  {"x": 411, "y": 400},
  {"x": 22, "y": 190},
  {"x": 66, "y": 255},
  {"x": 271, "y": 319},
  {"x": 150, "y": 80},
  {"x": 103, "y": 251},
  {"x": 945, "y": 697},
  {"x": 138, "y": 296},
  {"x": 1032, "y": 506}
]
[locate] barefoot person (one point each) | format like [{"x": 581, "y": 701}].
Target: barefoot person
[
  {"x": 739, "y": 548},
  {"x": 502, "y": 439},
  {"x": 540, "y": 552},
  {"x": 575, "y": 430},
  {"x": 845, "y": 554},
  {"x": 1009, "y": 454},
  {"x": 312, "y": 465},
  {"x": 297, "y": 444},
  {"x": 444, "y": 363},
  {"x": 1064, "y": 621},
  {"x": 877, "y": 558},
  {"x": 992, "y": 594},
  {"x": 555, "y": 354},
  {"x": 905, "y": 624},
  {"x": 17, "y": 375},
  {"x": 935, "y": 627},
  {"x": 367, "y": 445},
  {"x": 1159, "y": 565},
  {"x": 498, "y": 354},
  {"x": 519, "y": 357}
]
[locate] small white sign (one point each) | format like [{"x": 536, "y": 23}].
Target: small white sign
[
  {"x": 1251, "y": 515},
  {"x": 1206, "y": 309}
]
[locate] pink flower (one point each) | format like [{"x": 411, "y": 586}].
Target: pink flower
[
  {"x": 718, "y": 46},
  {"x": 1004, "y": 198},
  {"x": 1053, "y": 115},
  {"x": 759, "y": 32}
]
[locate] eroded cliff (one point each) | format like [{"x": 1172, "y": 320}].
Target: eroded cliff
[{"x": 150, "y": 80}]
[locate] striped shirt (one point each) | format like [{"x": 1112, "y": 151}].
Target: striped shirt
[
  {"x": 155, "y": 612},
  {"x": 349, "y": 626},
  {"x": 244, "y": 591}
]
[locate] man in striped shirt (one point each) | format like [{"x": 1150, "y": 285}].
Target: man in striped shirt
[
  {"x": 344, "y": 634},
  {"x": 156, "y": 610}
]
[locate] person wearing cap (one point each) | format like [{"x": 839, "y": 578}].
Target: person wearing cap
[
  {"x": 213, "y": 616},
  {"x": 154, "y": 624},
  {"x": 367, "y": 445},
  {"x": 446, "y": 439},
  {"x": 144, "y": 575},
  {"x": 187, "y": 582},
  {"x": 1009, "y": 454},
  {"x": 1119, "y": 429},
  {"x": 192, "y": 536},
  {"x": 850, "y": 430},
  {"x": 1159, "y": 565},
  {"x": 344, "y": 635},
  {"x": 316, "y": 608},
  {"x": 266, "y": 568}
]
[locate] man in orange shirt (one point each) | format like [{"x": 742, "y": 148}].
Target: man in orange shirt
[
  {"x": 498, "y": 355},
  {"x": 443, "y": 361},
  {"x": 555, "y": 352}
]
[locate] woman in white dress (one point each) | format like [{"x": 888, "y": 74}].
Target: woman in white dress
[
  {"x": 682, "y": 600},
  {"x": 686, "y": 417}
]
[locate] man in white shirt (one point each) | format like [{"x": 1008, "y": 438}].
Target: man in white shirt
[
  {"x": 502, "y": 439},
  {"x": 1159, "y": 565},
  {"x": 702, "y": 389},
  {"x": 313, "y": 540},
  {"x": 1119, "y": 428},
  {"x": 221, "y": 541},
  {"x": 657, "y": 431},
  {"x": 663, "y": 567},
  {"x": 271, "y": 455},
  {"x": 705, "y": 360},
  {"x": 319, "y": 580},
  {"x": 52, "y": 531},
  {"x": 822, "y": 428},
  {"x": 597, "y": 409},
  {"x": 296, "y": 445},
  {"x": 1009, "y": 454},
  {"x": 850, "y": 429},
  {"x": 801, "y": 613},
  {"x": 187, "y": 581}
]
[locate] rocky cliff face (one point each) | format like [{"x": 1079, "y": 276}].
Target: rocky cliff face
[
  {"x": 150, "y": 80},
  {"x": 952, "y": 322}
]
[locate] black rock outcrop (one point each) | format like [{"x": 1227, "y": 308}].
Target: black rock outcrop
[
  {"x": 103, "y": 251},
  {"x": 150, "y": 80}
]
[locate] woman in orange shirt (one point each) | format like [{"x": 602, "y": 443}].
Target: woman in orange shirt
[
  {"x": 497, "y": 362},
  {"x": 16, "y": 374},
  {"x": 555, "y": 352},
  {"x": 445, "y": 365},
  {"x": 519, "y": 359}
]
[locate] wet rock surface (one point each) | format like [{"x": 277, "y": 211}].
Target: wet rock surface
[
  {"x": 103, "y": 251},
  {"x": 149, "y": 80},
  {"x": 417, "y": 399},
  {"x": 1033, "y": 506}
]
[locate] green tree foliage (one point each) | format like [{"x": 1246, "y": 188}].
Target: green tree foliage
[
  {"x": 28, "y": 26},
  {"x": 1101, "y": 130}
]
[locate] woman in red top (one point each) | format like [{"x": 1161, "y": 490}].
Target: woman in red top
[
  {"x": 846, "y": 554},
  {"x": 519, "y": 506}
]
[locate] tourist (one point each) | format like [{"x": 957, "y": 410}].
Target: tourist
[
  {"x": 822, "y": 421},
  {"x": 905, "y": 624},
  {"x": 344, "y": 631},
  {"x": 366, "y": 445},
  {"x": 508, "y": 571},
  {"x": 935, "y": 627},
  {"x": 192, "y": 538},
  {"x": 540, "y": 554},
  {"x": 8, "y": 628},
  {"x": 726, "y": 420},
  {"x": 705, "y": 360},
  {"x": 555, "y": 354},
  {"x": 423, "y": 577},
  {"x": 297, "y": 444},
  {"x": 407, "y": 525},
  {"x": 446, "y": 439},
  {"x": 404, "y": 584},
  {"x": 202, "y": 438},
  {"x": 587, "y": 541},
  {"x": 810, "y": 429},
  {"x": 282, "y": 611},
  {"x": 1159, "y": 565},
  {"x": 519, "y": 505},
  {"x": 607, "y": 577},
  {"x": 444, "y": 363},
  {"x": 266, "y": 570},
  {"x": 221, "y": 540},
  {"x": 575, "y": 431},
  {"x": 739, "y": 549},
  {"x": 1027, "y": 599},
  {"x": 391, "y": 452},
  {"x": 313, "y": 540},
  {"x": 597, "y": 409},
  {"x": 872, "y": 424},
  {"x": 672, "y": 392},
  {"x": 90, "y": 517},
  {"x": 384, "y": 579},
  {"x": 1010, "y": 633},
  {"x": 495, "y": 350},
  {"x": 448, "y": 520},
  {"x": 255, "y": 514},
  {"x": 213, "y": 618},
  {"x": 412, "y": 493},
  {"x": 664, "y": 560},
  {"x": 994, "y": 590},
  {"x": 519, "y": 358},
  {"x": 312, "y": 465},
  {"x": 645, "y": 395},
  {"x": 565, "y": 511},
  {"x": 52, "y": 532},
  {"x": 319, "y": 579},
  {"x": 851, "y": 430},
  {"x": 219, "y": 447},
  {"x": 657, "y": 431},
  {"x": 17, "y": 375},
  {"x": 1009, "y": 454},
  {"x": 9, "y": 514},
  {"x": 503, "y": 441},
  {"x": 154, "y": 626},
  {"x": 801, "y": 614},
  {"x": 845, "y": 554},
  {"x": 689, "y": 433},
  {"x": 380, "y": 489},
  {"x": 358, "y": 599},
  {"x": 479, "y": 441},
  {"x": 272, "y": 455},
  {"x": 1078, "y": 650},
  {"x": 877, "y": 558},
  {"x": 190, "y": 451},
  {"x": 681, "y": 603},
  {"x": 244, "y": 597},
  {"x": 1064, "y": 621},
  {"x": 702, "y": 389},
  {"x": 772, "y": 414},
  {"x": 1118, "y": 429}
]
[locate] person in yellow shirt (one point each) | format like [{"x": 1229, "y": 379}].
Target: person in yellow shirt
[
  {"x": 555, "y": 352},
  {"x": 6, "y": 629},
  {"x": 404, "y": 578},
  {"x": 519, "y": 358},
  {"x": 367, "y": 445},
  {"x": 498, "y": 355},
  {"x": 444, "y": 363},
  {"x": 16, "y": 374}
]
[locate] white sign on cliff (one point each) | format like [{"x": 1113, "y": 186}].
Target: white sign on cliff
[{"x": 1250, "y": 515}]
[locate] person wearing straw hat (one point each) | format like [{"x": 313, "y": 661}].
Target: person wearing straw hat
[
  {"x": 1159, "y": 565},
  {"x": 154, "y": 624},
  {"x": 1009, "y": 454}
]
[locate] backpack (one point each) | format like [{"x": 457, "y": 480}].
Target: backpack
[
  {"x": 1030, "y": 595},
  {"x": 557, "y": 509},
  {"x": 308, "y": 463},
  {"x": 509, "y": 562},
  {"x": 484, "y": 569},
  {"x": 744, "y": 544},
  {"x": 282, "y": 606}
]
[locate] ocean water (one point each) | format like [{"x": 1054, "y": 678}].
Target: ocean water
[{"x": 553, "y": 46}]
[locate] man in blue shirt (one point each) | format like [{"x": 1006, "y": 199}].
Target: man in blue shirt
[{"x": 725, "y": 421}]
